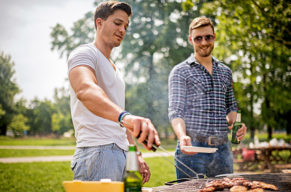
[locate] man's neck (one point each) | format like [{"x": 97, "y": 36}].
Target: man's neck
[
  {"x": 205, "y": 61},
  {"x": 106, "y": 50}
]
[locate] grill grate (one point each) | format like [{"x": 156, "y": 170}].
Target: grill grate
[{"x": 281, "y": 180}]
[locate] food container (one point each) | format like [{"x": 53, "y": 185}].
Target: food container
[{"x": 93, "y": 186}]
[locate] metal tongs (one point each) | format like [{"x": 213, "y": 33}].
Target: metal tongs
[{"x": 154, "y": 149}]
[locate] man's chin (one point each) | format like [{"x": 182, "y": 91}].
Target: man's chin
[
  {"x": 117, "y": 44},
  {"x": 204, "y": 54}
]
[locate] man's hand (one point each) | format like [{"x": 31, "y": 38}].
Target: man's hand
[
  {"x": 186, "y": 141},
  {"x": 143, "y": 169},
  {"x": 143, "y": 126},
  {"x": 240, "y": 134}
]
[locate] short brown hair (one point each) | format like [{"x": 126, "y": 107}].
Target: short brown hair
[
  {"x": 107, "y": 8},
  {"x": 200, "y": 22}
]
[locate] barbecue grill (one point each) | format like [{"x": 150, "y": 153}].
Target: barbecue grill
[{"x": 281, "y": 180}]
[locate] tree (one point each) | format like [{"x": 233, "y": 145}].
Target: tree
[
  {"x": 254, "y": 39},
  {"x": 8, "y": 89},
  {"x": 18, "y": 125},
  {"x": 40, "y": 113},
  {"x": 61, "y": 118}
]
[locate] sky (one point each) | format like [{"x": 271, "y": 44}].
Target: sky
[{"x": 25, "y": 36}]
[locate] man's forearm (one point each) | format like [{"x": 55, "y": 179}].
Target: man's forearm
[
  {"x": 98, "y": 103},
  {"x": 179, "y": 127},
  {"x": 231, "y": 117}
]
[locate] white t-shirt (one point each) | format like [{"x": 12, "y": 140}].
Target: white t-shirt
[{"x": 92, "y": 130}]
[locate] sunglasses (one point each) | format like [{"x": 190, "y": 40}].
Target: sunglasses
[{"x": 207, "y": 38}]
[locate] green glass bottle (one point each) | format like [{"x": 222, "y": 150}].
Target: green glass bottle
[
  {"x": 237, "y": 125},
  {"x": 132, "y": 178}
]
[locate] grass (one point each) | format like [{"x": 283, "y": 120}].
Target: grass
[
  {"x": 38, "y": 141},
  {"x": 33, "y": 152},
  {"x": 38, "y": 177},
  {"x": 161, "y": 171},
  {"x": 48, "y": 176}
]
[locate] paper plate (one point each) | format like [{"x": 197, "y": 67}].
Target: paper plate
[{"x": 200, "y": 149}]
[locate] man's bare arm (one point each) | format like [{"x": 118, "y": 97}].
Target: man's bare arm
[{"x": 84, "y": 83}]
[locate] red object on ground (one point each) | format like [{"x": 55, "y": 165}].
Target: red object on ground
[{"x": 248, "y": 155}]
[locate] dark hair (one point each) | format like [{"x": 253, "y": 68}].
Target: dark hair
[
  {"x": 200, "y": 22},
  {"x": 107, "y": 8}
]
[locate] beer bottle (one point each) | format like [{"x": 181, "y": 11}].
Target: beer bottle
[
  {"x": 237, "y": 125},
  {"x": 132, "y": 178}
]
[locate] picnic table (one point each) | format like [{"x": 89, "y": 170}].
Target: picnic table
[
  {"x": 273, "y": 157},
  {"x": 269, "y": 157}
]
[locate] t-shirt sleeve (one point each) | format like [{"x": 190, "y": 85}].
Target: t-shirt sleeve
[{"x": 81, "y": 56}]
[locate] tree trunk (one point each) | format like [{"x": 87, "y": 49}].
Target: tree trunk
[
  {"x": 150, "y": 99},
  {"x": 252, "y": 128},
  {"x": 270, "y": 131},
  {"x": 3, "y": 130}
]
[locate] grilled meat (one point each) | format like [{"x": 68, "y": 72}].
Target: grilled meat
[
  {"x": 238, "y": 189},
  {"x": 259, "y": 184},
  {"x": 237, "y": 184}
]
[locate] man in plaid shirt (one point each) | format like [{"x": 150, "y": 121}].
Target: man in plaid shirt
[{"x": 202, "y": 107}]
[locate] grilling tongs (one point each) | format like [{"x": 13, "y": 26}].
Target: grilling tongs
[{"x": 155, "y": 147}]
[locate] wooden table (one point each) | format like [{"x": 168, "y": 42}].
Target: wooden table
[{"x": 272, "y": 156}]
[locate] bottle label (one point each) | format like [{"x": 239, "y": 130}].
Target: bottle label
[
  {"x": 238, "y": 117},
  {"x": 133, "y": 189}
]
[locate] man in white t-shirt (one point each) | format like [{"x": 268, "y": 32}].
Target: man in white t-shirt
[{"x": 103, "y": 129}]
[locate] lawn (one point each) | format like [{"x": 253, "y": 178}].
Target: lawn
[
  {"x": 41, "y": 141},
  {"x": 47, "y": 177},
  {"x": 34, "y": 177},
  {"x": 34, "y": 152}
]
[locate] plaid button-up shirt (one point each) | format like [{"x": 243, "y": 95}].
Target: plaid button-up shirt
[{"x": 200, "y": 99}]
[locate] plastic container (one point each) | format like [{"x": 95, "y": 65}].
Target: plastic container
[{"x": 93, "y": 186}]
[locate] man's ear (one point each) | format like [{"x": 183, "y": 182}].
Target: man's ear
[
  {"x": 190, "y": 39},
  {"x": 99, "y": 22}
]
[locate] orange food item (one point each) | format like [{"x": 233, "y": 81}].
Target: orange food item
[{"x": 238, "y": 189}]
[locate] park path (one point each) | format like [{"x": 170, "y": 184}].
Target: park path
[{"x": 60, "y": 158}]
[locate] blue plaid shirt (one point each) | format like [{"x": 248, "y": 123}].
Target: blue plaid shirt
[{"x": 201, "y": 99}]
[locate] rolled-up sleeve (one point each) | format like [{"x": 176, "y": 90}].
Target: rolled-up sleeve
[
  {"x": 177, "y": 94},
  {"x": 229, "y": 99}
]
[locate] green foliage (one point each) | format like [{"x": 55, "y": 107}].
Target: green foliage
[
  {"x": 40, "y": 113},
  {"x": 82, "y": 32},
  {"x": 8, "y": 89},
  {"x": 2, "y": 112},
  {"x": 187, "y": 5},
  {"x": 18, "y": 125},
  {"x": 253, "y": 38},
  {"x": 61, "y": 118}
]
